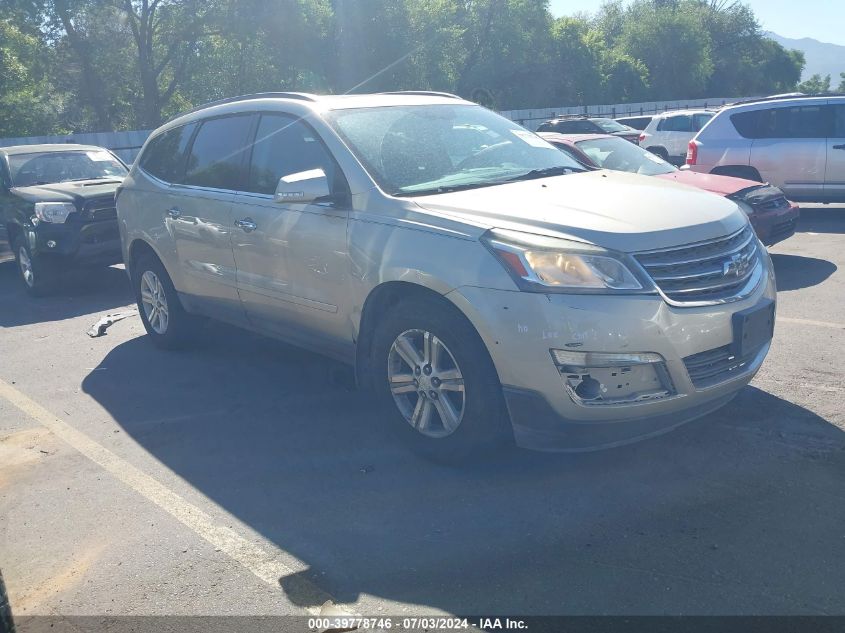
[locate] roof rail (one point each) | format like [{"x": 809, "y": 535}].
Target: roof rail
[
  {"x": 429, "y": 93},
  {"x": 301, "y": 96},
  {"x": 786, "y": 97}
]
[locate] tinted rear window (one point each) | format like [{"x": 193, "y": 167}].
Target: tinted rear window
[
  {"x": 681, "y": 123},
  {"x": 217, "y": 154},
  {"x": 164, "y": 157},
  {"x": 813, "y": 121}
]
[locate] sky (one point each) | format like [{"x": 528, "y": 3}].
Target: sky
[{"x": 820, "y": 19}]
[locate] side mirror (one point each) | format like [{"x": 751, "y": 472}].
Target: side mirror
[{"x": 303, "y": 187}]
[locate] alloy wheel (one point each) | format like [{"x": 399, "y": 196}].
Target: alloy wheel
[
  {"x": 26, "y": 267},
  {"x": 154, "y": 302},
  {"x": 426, "y": 383}
]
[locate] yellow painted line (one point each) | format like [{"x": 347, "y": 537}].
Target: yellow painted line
[
  {"x": 268, "y": 562},
  {"x": 835, "y": 326}
]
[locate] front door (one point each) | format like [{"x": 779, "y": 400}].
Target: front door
[{"x": 291, "y": 259}]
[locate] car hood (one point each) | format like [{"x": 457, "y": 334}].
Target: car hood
[
  {"x": 723, "y": 185},
  {"x": 615, "y": 210},
  {"x": 67, "y": 191}
]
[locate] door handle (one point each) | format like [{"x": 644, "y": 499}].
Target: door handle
[
  {"x": 247, "y": 224},
  {"x": 839, "y": 146},
  {"x": 174, "y": 213}
]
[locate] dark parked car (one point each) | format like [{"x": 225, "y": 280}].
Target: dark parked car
[
  {"x": 773, "y": 217},
  {"x": 57, "y": 205},
  {"x": 590, "y": 125}
]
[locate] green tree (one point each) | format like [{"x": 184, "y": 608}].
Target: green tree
[
  {"x": 669, "y": 39},
  {"x": 815, "y": 85},
  {"x": 841, "y": 87},
  {"x": 28, "y": 105}
]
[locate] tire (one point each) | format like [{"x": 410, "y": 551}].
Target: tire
[
  {"x": 472, "y": 393},
  {"x": 165, "y": 320},
  {"x": 37, "y": 276},
  {"x": 660, "y": 151}
]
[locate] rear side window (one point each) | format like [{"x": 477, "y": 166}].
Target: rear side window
[
  {"x": 217, "y": 154},
  {"x": 681, "y": 123},
  {"x": 795, "y": 122},
  {"x": 283, "y": 146},
  {"x": 164, "y": 157}
]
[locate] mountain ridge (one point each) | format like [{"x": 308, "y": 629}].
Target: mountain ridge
[{"x": 823, "y": 58}]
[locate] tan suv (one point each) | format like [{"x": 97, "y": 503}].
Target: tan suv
[{"x": 485, "y": 285}]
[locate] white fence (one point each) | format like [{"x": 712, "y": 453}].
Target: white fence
[
  {"x": 534, "y": 117},
  {"x": 124, "y": 144},
  {"x": 128, "y": 144}
]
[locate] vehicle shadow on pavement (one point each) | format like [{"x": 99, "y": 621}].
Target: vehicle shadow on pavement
[
  {"x": 739, "y": 512},
  {"x": 794, "y": 272},
  {"x": 79, "y": 292},
  {"x": 826, "y": 219}
]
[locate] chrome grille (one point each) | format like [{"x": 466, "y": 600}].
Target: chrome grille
[{"x": 716, "y": 271}]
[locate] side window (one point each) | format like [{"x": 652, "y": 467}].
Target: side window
[
  {"x": 839, "y": 121},
  {"x": 283, "y": 146},
  {"x": 164, "y": 157},
  {"x": 681, "y": 123},
  {"x": 217, "y": 155},
  {"x": 699, "y": 121},
  {"x": 798, "y": 122},
  {"x": 747, "y": 123}
]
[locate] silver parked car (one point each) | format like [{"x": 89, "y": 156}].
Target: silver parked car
[
  {"x": 796, "y": 143},
  {"x": 484, "y": 284}
]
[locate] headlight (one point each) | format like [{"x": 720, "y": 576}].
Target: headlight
[
  {"x": 543, "y": 264},
  {"x": 54, "y": 212}
]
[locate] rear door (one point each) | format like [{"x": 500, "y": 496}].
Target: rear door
[
  {"x": 834, "y": 186},
  {"x": 292, "y": 262},
  {"x": 200, "y": 215},
  {"x": 790, "y": 150}
]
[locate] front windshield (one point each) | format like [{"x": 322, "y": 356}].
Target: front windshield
[
  {"x": 610, "y": 126},
  {"x": 41, "y": 168},
  {"x": 620, "y": 155},
  {"x": 416, "y": 150}
]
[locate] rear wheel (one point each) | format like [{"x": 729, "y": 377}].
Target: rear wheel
[
  {"x": 161, "y": 311},
  {"x": 660, "y": 151},
  {"x": 432, "y": 369},
  {"x": 37, "y": 276}
]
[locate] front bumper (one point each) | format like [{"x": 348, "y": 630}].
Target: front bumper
[
  {"x": 520, "y": 329},
  {"x": 78, "y": 243},
  {"x": 777, "y": 225}
]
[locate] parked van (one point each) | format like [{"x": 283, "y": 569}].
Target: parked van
[
  {"x": 484, "y": 285},
  {"x": 795, "y": 143}
]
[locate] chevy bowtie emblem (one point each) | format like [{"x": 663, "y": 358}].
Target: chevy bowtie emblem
[{"x": 736, "y": 266}]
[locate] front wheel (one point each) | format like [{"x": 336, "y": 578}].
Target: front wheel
[
  {"x": 433, "y": 370},
  {"x": 37, "y": 277}
]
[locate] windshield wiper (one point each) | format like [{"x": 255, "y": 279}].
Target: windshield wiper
[
  {"x": 447, "y": 188},
  {"x": 546, "y": 172},
  {"x": 91, "y": 178}
]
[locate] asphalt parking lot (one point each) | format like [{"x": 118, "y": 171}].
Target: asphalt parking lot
[{"x": 246, "y": 477}]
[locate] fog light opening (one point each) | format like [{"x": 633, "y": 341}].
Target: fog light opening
[{"x": 589, "y": 388}]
